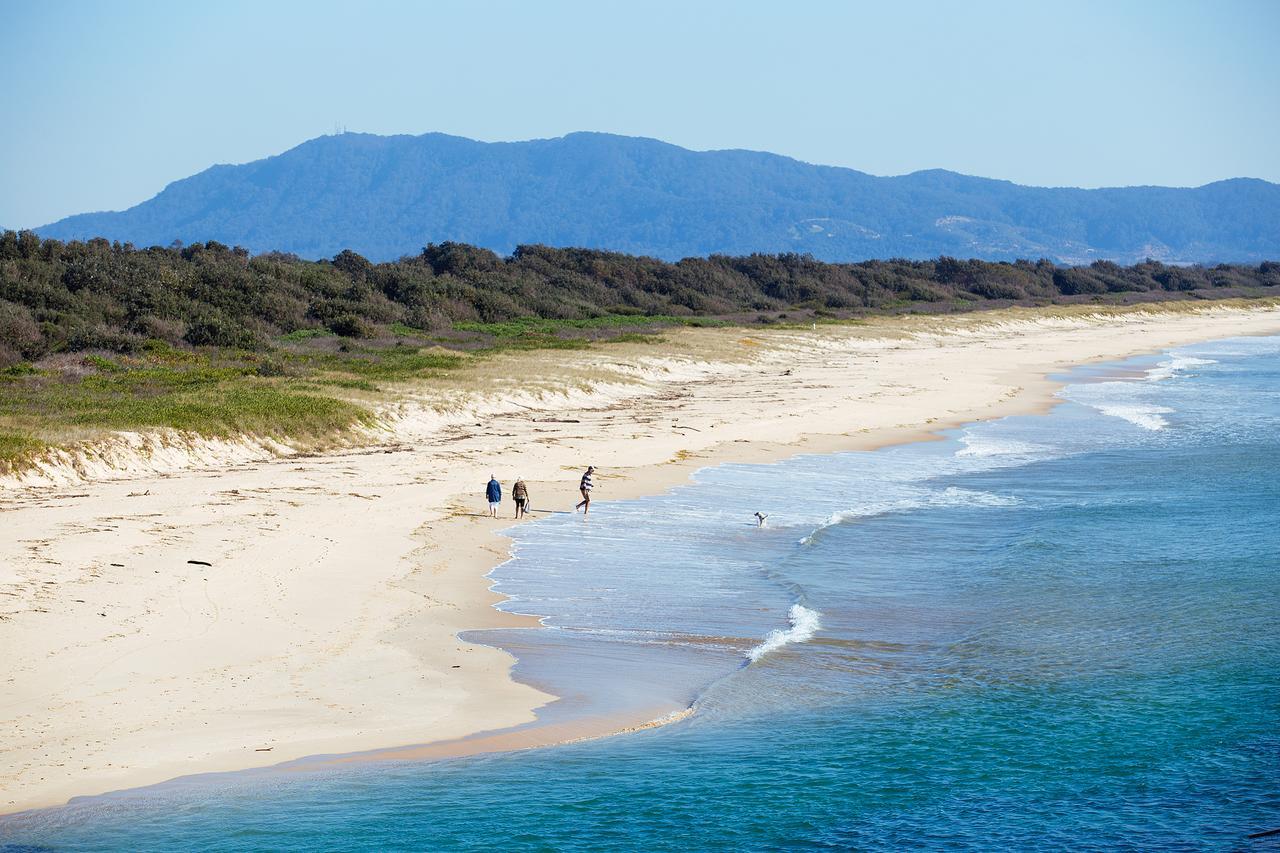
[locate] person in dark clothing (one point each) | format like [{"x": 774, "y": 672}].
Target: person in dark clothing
[
  {"x": 520, "y": 493},
  {"x": 493, "y": 492},
  {"x": 585, "y": 487}
]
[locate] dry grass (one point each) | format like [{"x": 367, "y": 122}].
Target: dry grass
[{"x": 318, "y": 397}]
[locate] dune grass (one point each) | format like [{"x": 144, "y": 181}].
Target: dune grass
[
  {"x": 392, "y": 364},
  {"x": 311, "y": 387},
  {"x": 539, "y": 327},
  {"x": 537, "y": 333},
  {"x": 193, "y": 393},
  {"x": 16, "y": 445}
]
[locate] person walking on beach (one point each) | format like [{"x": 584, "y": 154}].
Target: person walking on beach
[
  {"x": 493, "y": 492},
  {"x": 585, "y": 488},
  {"x": 520, "y": 493}
]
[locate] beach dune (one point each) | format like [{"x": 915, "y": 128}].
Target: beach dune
[{"x": 176, "y": 612}]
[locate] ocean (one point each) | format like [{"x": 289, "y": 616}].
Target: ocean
[{"x": 1058, "y": 631}]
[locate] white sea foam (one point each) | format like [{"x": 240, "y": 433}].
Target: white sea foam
[
  {"x": 867, "y": 510},
  {"x": 1147, "y": 417},
  {"x": 983, "y": 446},
  {"x": 804, "y": 624},
  {"x": 1128, "y": 400},
  {"x": 950, "y": 496},
  {"x": 953, "y": 496},
  {"x": 1177, "y": 363}
]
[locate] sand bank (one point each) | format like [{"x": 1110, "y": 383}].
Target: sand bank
[{"x": 208, "y": 612}]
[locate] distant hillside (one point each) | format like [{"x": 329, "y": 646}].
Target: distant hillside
[{"x": 385, "y": 197}]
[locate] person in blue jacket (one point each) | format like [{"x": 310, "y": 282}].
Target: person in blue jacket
[{"x": 493, "y": 492}]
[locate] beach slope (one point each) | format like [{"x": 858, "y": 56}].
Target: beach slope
[{"x": 168, "y": 614}]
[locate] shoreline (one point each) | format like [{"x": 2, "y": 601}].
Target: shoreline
[{"x": 430, "y": 584}]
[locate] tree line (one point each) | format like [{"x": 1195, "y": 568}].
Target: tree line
[{"x": 73, "y": 296}]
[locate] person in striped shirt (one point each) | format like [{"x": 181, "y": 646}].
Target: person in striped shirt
[{"x": 585, "y": 488}]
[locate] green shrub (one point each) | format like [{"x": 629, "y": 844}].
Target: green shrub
[
  {"x": 104, "y": 365},
  {"x": 298, "y": 335},
  {"x": 350, "y": 326},
  {"x": 219, "y": 331}
]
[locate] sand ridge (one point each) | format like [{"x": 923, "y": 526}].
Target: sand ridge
[{"x": 326, "y": 618}]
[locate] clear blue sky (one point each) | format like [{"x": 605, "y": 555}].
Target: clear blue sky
[{"x": 105, "y": 103}]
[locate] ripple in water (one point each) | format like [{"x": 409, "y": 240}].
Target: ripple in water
[{"x": 1046, "y": 632}]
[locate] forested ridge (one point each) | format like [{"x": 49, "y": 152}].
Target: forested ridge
[
  {"x": 385, "y": 196},
  {"x": 58, "y": 297}
]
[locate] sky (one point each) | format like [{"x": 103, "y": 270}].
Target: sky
[{"x": 104, "y": 103}]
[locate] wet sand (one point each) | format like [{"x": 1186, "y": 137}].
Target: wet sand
[{"x": 326, "y": 620}]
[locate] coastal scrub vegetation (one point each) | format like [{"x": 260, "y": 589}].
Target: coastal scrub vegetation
[
  {"x": 97, "y": 295},
  {"x": 98, "y": 335}
]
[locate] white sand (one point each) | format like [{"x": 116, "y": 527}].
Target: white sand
[{"x": 327, "y": 621}]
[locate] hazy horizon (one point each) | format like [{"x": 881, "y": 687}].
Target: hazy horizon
[
  {"x": 109, "y": 103},
  {"x": 345, "y": 131}
]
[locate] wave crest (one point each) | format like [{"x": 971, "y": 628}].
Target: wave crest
[
  {"x": 1171, "y": 367},
  {"x": 804, "y": 624},
  {"x": 950, "y": 496},
  {"x": 985, "y": 446},
  {"x": 1147, "y": 417}
]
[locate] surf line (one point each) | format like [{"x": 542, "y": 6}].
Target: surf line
[{"x": 804, "y": 623}]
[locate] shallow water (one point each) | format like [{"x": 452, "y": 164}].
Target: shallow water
[{"x": 1053, "y": 631}]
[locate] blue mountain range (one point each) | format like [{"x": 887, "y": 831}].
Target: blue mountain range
[{"x": 388, "y": 196}]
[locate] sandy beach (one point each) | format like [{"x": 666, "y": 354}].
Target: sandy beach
[{"x": 171, "y": 606}]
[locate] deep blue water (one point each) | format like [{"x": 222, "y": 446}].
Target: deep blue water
[{"x": 1053, "y": 632}]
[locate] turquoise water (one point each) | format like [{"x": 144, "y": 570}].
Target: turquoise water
[{"x": 1052, "y": 632}]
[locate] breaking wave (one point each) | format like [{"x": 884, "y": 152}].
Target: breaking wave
[
  {"x": 1174, "y": 365},
  {"x": 950, "y": 496},
  {"x": 1147, "y": 417},
  {"x": 977, "y": 445},
  {"x": 1131, "y": 401},
  {"x": 804, "y": 624}
]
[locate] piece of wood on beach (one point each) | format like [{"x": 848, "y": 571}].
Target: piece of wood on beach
[
  {"x": 198, "y": 563},
  {"x": 556, "y": 421}
]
